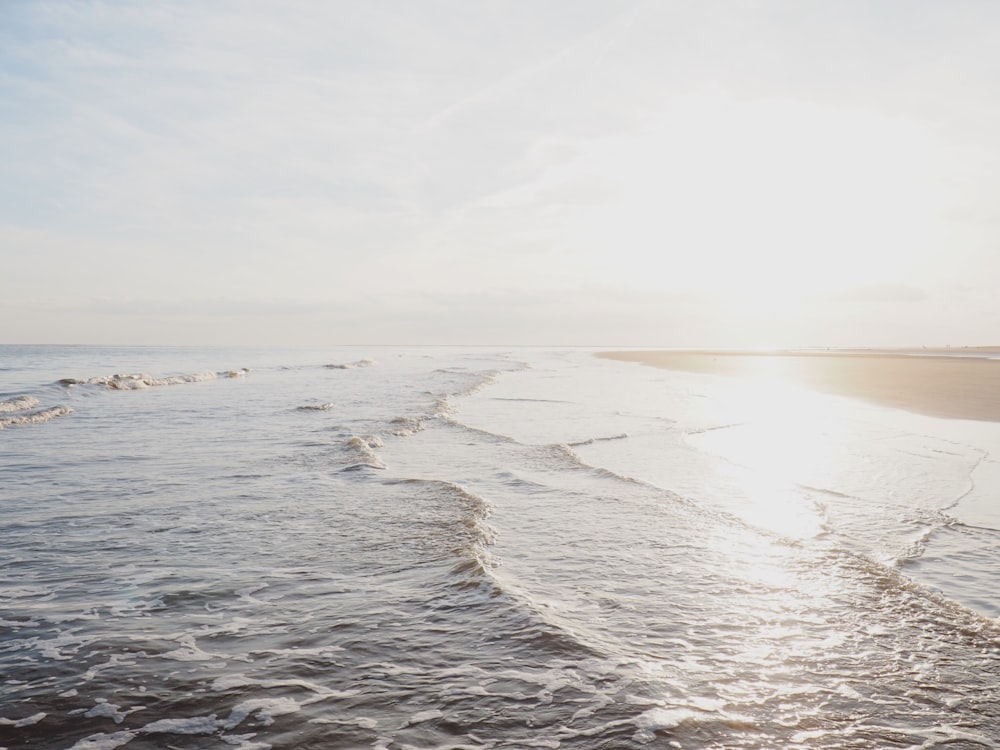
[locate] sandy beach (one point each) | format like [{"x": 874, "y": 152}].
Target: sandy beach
[{"x": 937, "y": 383}]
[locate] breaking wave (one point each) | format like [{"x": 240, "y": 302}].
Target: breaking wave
[
  {"x": 363, "y": 448},
  {"x": 351, "y": 365},
  {"x": 18, "y": 404},
  {"x": 591, "y": 441},
  {"x": 139, "y": 381},
  {"x": 315, "y": 407},
  {"x": 36, "y": 417},
  {"x": 405, "y": 426},
  {"x": 472, "y": 535}
]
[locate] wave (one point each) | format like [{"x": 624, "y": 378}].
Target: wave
[
  {"x": 315, "y": 407},
  {"x": 591, "y": 441},
  {"x": 117, "y": 382},
  {"x": 18, "y": 404},
  {"x": 351, "y": 365},
  {"x": 914, "y": 548},
  {"x": 468, "y": 535},
  {"x": 363, "y": 449},
  {"x": 532, "y": 400},
  {"x": 406, "y": 426},
  {"x": 564, "y": 453},
  {"x": 36, "y": 417},
  {"x": 264, "y": 710},
  {"x": 443, "y": 406},
  {"x": 493, "y": 437},
  {"x": 139, "y": 381},
  {"x": 475, "y": 381},
  {"x": 729, "y": 426}
]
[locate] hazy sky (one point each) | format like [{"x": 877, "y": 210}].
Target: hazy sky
[{"x": 677, "y": 173}]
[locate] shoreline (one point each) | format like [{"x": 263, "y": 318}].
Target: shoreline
[{"x": 934, "y": 382}]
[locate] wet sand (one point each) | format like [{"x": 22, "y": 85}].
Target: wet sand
[{"x": 939, "y": 383}]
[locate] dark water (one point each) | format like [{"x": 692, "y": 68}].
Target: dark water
[{"x": 468, "y": 548}]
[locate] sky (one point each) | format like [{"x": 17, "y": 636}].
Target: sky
[{"x": 678, "y": 173}]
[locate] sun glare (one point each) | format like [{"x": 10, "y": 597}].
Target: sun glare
[{"x": 784, "y": 435}]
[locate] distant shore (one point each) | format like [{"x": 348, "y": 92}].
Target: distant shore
[{"x": 936, "y": 382}]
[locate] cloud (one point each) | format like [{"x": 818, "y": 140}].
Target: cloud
[{"x": 374, "y": 164}]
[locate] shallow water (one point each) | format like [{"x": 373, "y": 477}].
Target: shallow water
[{"x": 473, "y": 548}]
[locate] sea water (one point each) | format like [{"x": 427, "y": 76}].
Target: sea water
[{"x": 483, "y": 548}]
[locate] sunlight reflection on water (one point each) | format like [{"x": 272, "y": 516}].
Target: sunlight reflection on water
[{"x": 783, "y": 435}]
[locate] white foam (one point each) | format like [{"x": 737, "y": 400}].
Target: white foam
[
  {"x": 325, "y": 652},
  {"x": 18, "y": 623},
  {"x": 591, "y": 441},
  {"x": 63, "y": 646},
  {"x": 264, "y": 709},
  {"x": 189, "y": 651},
  {"x": 18, "y": 404},
  {"x": 406, "y": 426},
  {"x": 114, "y": 660},
  {"x": 104, "y": 741},
  {"x": 421, "y": 716},
  {"x": 370, "y": 441},
  {"x": 364, "y": 447},
  {"x": 106, "y": 711},
  {"x": 848, "y": 692},
  {"x": 316, "y": 407},
  {"x": 231, "y": 681},
  {"x": 193, "y": 725},
  {"x": 139, "y": 381},
  {"x": 26, "y": 592},
  {"x": 25, "y": 722},
  {"x": 244, "y": 742},
  {"x": 322, "y": 693},
  {"x": 361, "y": 721},
  {"x": 657, "y": 719},
  {"x": 36, "y": 417},
  {"x": 701, "y": 710},
  {"x": 352, "y": 365}
]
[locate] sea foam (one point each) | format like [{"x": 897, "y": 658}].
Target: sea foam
[{"x": 18, "y": 404}]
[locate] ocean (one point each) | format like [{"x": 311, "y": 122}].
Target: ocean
[{"x": 478, "y": 548}]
